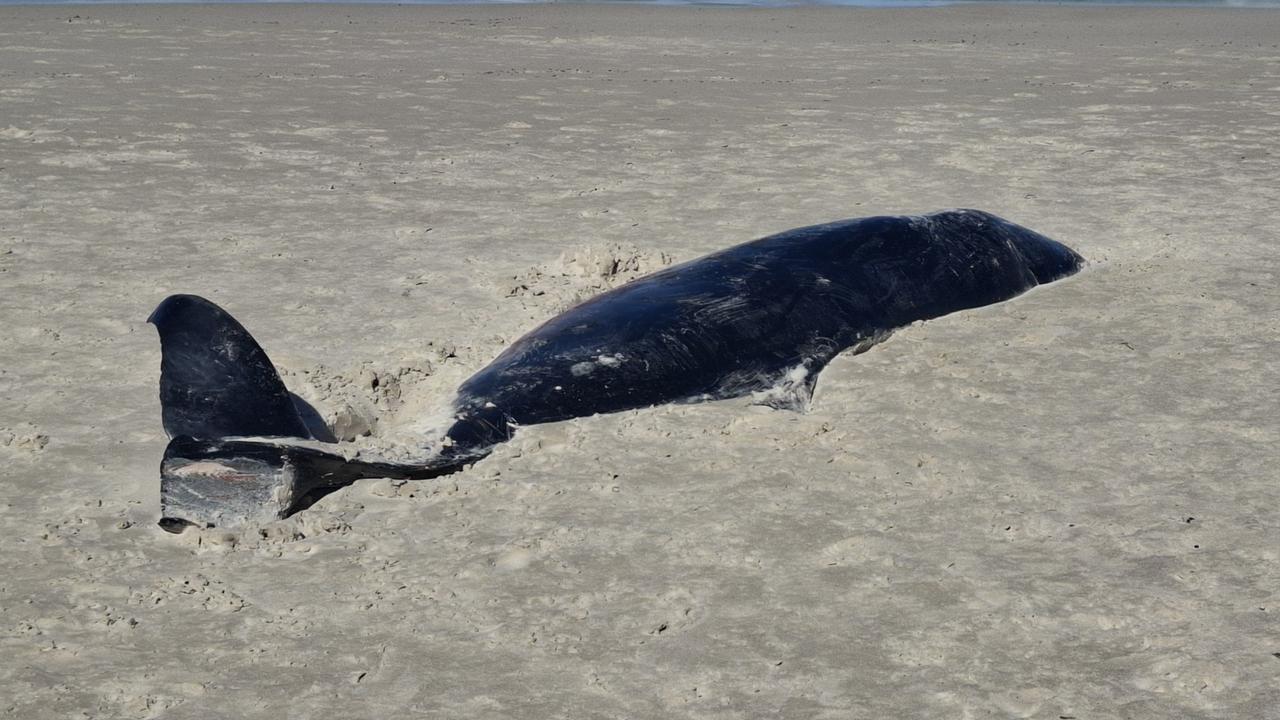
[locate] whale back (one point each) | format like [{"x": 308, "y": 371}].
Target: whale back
[{"x": 746, "y": 318}]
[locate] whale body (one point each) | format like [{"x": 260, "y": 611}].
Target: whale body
[{"x": 762, "y": 316}]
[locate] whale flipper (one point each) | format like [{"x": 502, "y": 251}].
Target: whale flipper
[{"x": 215, "y": 380}]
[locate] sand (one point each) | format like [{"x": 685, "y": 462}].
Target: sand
[{"x": 1064, "y": 506}]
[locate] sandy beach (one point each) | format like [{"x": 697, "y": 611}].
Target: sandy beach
[{"x": 1062, "y": 506}]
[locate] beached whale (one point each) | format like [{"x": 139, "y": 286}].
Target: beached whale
[{"x": 762, "y": 317}]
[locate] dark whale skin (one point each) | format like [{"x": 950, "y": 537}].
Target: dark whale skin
[
  {"x": 215, "y": 380},
  {"x": 738, "y": 320},
  {"x": 767, "y": 315}
]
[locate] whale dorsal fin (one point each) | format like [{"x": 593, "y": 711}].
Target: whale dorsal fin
[{"x": 215, "y": 380}]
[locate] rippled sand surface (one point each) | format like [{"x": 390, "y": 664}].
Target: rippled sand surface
[{"x": 1065, "y": 506}]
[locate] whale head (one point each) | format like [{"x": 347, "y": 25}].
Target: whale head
[{"x": 1048, "y": 259}]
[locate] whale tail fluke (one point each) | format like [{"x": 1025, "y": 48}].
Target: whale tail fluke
[
  {"x": 233, "y": 482},
  {"x": 215, "y": 380},
  {"x": 239, "y": 450}
]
